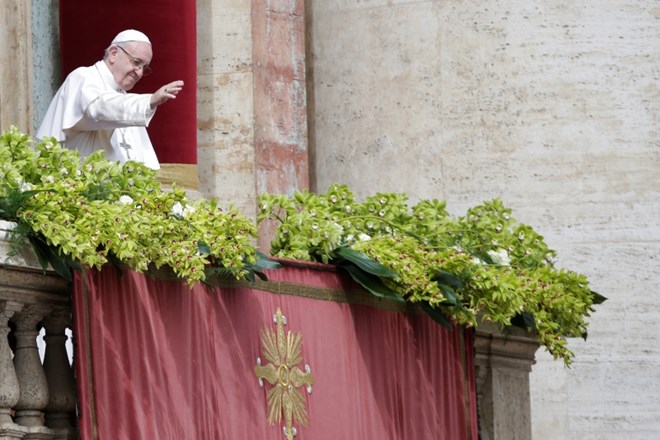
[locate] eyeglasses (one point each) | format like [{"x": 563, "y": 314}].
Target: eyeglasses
[{"x": 138, "y": 64}]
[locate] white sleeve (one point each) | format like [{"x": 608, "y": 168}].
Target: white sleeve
[{"x": 116, "y": 110}]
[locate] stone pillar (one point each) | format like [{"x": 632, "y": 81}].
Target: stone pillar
[
  {"x": 45, "y": 32},
  {"x": 59, "y": 374},
  {"x": 280, "y": 99},
  {"x": 9, "y": 389},
  {"x": 15, "y": 65},
  {"x": 225, "y": 102},
  {"x": 31, "y": 377},
  {"x": 503, "y": 363}
]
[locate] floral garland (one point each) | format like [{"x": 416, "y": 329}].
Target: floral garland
[
  {"x": 91, "y": 212},
  {"x": 483, "y": 265}
]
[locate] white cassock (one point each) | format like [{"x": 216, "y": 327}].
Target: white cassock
[{"x": 91, "y": 112}]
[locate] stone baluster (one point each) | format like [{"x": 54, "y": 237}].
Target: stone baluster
[
  {"x": 59, "y": 374},
  {"x": 9, "y": 388},
  {"x": 31, "y": 377}
]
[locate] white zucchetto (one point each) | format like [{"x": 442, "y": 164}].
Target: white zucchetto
[{"x": 130, "y": 35}]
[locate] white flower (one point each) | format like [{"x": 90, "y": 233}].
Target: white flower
[
  {"x": 177, "y": 209},
  {"x": 364, "y": 237},
  {"x": 182, "y": 210},
  {"x": 500, "y": 257},
  {"x": 24, "y": 186},
  {"x": 125, "y": 200}
]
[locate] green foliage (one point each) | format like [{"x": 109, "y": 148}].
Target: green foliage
[
  {"x": 483, "y": 264},
  {"x": 87, "y": 213}
]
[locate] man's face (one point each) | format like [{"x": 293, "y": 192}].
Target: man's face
[{"x": 126, "y": 62}]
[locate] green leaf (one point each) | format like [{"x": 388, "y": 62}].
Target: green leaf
[
  {"x": 221, "y": 272},
  {"x": 450, "y": 296},
  {"x": 437, "y": 315},
  {"x": 598, "y": 298},
  {"x": 257, "y": 268},
  {"x": 15, "y": 200},
  {"x": 203, "y": 248},
  {"x": 41, "y": 251},
  {"x": 524, "y": 320},
  {"x": 444, "y": 277},
  {"x": 372, "y": 283},
  {"x": 264, "y": 262},
  {"x": 47, "y": 255},
  {"x": 365, "y": 263}
]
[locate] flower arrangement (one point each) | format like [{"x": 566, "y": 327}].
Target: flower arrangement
[
  {"x": 88, "y": 213},
  {"x": 483, "y": 265}
]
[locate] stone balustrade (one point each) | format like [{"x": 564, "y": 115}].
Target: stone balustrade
[{"x": 37, "y": 401}]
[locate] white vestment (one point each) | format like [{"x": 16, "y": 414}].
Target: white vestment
[{"x": 91, "y": 112}]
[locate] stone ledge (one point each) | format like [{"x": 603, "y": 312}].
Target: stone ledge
[{"x": 28, "y": 285}]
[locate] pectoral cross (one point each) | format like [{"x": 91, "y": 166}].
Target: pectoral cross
[{"x": 125, "y": 145}]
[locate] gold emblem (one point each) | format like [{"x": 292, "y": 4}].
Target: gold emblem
[{"x": 283, "y": 354}]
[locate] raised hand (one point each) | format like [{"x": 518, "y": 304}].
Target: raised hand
[{"x": 165, "y": 93}]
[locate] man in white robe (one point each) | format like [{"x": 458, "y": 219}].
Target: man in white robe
[{"x": 92, "y": 109}]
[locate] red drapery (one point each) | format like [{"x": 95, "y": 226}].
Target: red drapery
[
  {"x": 156, "y": 359},
  {"x": 87, "y": 28}
]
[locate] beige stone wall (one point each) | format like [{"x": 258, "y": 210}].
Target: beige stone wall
[
  {"x": 225, "y": 107},
  {"x": 552, "y": 106}
]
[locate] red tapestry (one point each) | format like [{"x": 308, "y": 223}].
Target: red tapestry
[
  {"x": 87, "y": 28},
  {"x": 156, "y": 359}
]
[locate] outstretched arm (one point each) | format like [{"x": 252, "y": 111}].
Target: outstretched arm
[{"x": 115, "y": 110}]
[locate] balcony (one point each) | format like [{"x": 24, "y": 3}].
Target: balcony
[{"x": 38, "y": 400}]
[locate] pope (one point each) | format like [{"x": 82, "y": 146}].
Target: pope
[{"x": 93, "y": 110}]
